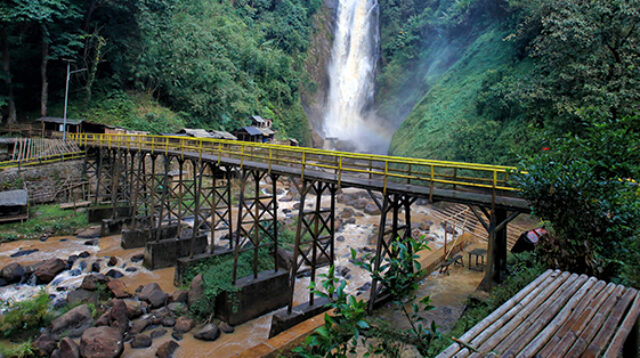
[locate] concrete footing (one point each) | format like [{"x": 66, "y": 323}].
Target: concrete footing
[
  {"x": 98, "y": 213},
  {"x": 165, "y": 253},
  {"x": 135, "y": 238},
  {"x": 113, "y": 226},
  {"x": 183, "y": 264},
  {"x": 282, "y": 320},
  {"x": 254, "y": 297}
]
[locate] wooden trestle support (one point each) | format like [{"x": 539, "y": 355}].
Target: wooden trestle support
[{"x": 315, "y": 233}]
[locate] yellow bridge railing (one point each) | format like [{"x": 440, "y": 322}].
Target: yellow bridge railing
[{"x": 387, "y": 169}]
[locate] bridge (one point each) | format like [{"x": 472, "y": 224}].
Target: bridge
[{"x": 154, "y": 185}]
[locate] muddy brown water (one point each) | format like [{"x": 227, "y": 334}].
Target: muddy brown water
[{"x": 356, "y": 236}]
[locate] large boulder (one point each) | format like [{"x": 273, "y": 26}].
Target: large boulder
[
  {"x": 209, "y": 333},
  {"x": 73, "y": 322},
  {"x": 68, "y": 349},
  {"x": 45, "y": 344},
  {"x": 13, "y": 272},
  {"x": 119, "y": 316},
  {"x": 91, "y": 282},
  {"x": 49, "y": 269},
  {"x": 371, "y": 209},
  {"x": 82, "y": 296},
  {"x": 196, "y": 290},
  {"x": 135, "y": 308},
  {"x": 285, "y": 258},
  {"x": 167, "y": 349},
  {"x": 153, "y": 294},
  {"x": 184, "y": 324},
  {"x": 118, "y": 288},
  {"x": 101, "y": 342},
  {"x": 141, "y": 341}
]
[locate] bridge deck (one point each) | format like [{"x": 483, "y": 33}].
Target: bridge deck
[
  {"x": 475, "y": 184},
  {"x": 557, "y": 315}
]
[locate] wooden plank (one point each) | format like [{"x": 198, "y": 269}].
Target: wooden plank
[
  {"x": 623, "y": 332},
  {"x": 551, "y": 331},
  {"x": 568, "y": 333},
  {"x": 595, "y": 323},
  {"x": 77, "y": 204},
  {"x": 487, "y": 321},
  {"x": 565, "y": 279},
  {"x": 550, "y": 316},
  {"x": 601, "y": 340}
]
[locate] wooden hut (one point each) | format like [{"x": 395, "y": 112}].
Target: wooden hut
[
  {"x": 14, "y": 205},
  {"x": 52, "y": 127}
]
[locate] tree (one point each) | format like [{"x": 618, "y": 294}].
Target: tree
[
  {"x": 586, "y": 187},
  {"x": 586, "y": 55}
]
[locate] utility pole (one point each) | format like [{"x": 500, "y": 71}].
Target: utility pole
[{"x": 66, "y": 95}]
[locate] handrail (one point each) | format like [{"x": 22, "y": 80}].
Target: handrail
[
  {"x": 54, "y": 158},
  {"x": 412, "y": 171}
]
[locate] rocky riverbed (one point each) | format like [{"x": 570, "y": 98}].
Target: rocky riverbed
[{"x": 147, "y": 313}]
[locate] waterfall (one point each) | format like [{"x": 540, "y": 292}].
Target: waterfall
[{"x": 355, "y": 53}]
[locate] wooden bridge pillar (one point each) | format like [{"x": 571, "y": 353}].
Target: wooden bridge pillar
[
  {"x": 257, "y": 219},
  {"x": 388, "y": 231},
  {"x": 315, "y": 233},
  {"x": 496, "y": 266}
]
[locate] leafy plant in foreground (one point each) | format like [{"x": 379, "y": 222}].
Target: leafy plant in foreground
[{"x": 350, "y": 324}]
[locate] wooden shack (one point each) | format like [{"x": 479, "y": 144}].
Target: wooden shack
[
  {"x": 52, "y": 127},
  {"x": 14, "y": 205}
]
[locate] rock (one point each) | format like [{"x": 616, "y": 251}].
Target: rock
[
  {"x": 119, "y": 317},
  {"x": 101, "y": 342},
  {"x": 176, "y": 335},
  {"x": 84, "y": 254},
  {"x": 140, "y": 325},
  {"x": 180, "y": 296},
  {"x": 114, "y": 273},
  {"x": 74, "y": 322},
  {"x": 135, "y": 308},
  {"x": 45, "y": 344},
  {"x": 131, "y": 269},
  {"x": 89, "y": 233},
  {"x": 137, "y": 258},
  {"x": 13, "y": 272},
  {"x": 112, "y": 261},
  {"x": 347, "y": 213},
  {"x": 95, "y": 267},
  {"x": 226, "y": 327},
  {"x": 184, "y": 324},
  {"x": 343, "y": 270},
  {"x": 177, "y": 307},
  {"x": 153, "y": 294},
  {"x": 371, "y": 209},
  {"x": 208, "y": 333},
  {"x": 360, "y": 204},
  {"x": 44, "y": 238},
  {"x": 118, "y": 288},
  {"x": 196, "y": 290},
  {"x": 104, "y": 319},
  {"x": 286, "y": 199},
  {"x": 68, "y": 348},
  {"x": 90, "y": 282},
  {"x": 82, "y": 296},
  {"x": 141, "y": 341},
  {"x": 158, "y": 333},
  {"x": 49, "y": 269},
  {"x": 24, "y": 252},
  {"x": 340, "y": 238},
  {"x": 91, "y": 242},
  {"x": 4, "y": 282},
  {"x": 167, "y": 349},
  {"x": 285, "y": 258},
  {"x": 168, "y": 322}
]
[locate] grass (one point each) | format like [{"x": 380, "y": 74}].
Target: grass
[
  {"x": 44, "y": 219},
  {"x": 22, "y": 350},
  {"x": 25, "y": 318}
]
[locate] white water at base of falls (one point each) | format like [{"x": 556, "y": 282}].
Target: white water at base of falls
[{"x": 355, "y": 53}]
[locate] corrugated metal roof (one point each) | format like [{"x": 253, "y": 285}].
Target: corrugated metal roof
[
  {"x": 253, "y": 130},
  {"x": 196, "y": 133},
  {"x": 222, "y": 135},
  {"x": 258, "y": 119},
  {"x": 267, "y": 132},
  {"x": 59, "y": 120},
  {"x": 14, "y": 198}
]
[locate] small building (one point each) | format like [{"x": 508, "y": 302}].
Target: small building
[
  {"x": 14, "y": 205},
  {"x": 259, "y": 131},
  {"x": 7, "y": 146},
  {"x": 202, "y": 133},
  {"x": 52, "y": 127},
  {"x": 222, "y": 135}
]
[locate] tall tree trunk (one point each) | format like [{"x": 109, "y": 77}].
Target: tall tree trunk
[
  {"x": 44, "y": 95},
  {"x": 11, "y": 118}
]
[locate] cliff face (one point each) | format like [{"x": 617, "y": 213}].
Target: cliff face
[{"x": 314, "y": 93}]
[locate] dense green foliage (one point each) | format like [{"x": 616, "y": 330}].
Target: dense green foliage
[
  {"x": 25, "y": 316},
  {"x": 491, "y": 72},
  {"x": 214, "y": 62},
  {"x": 583, "y": 186}
]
